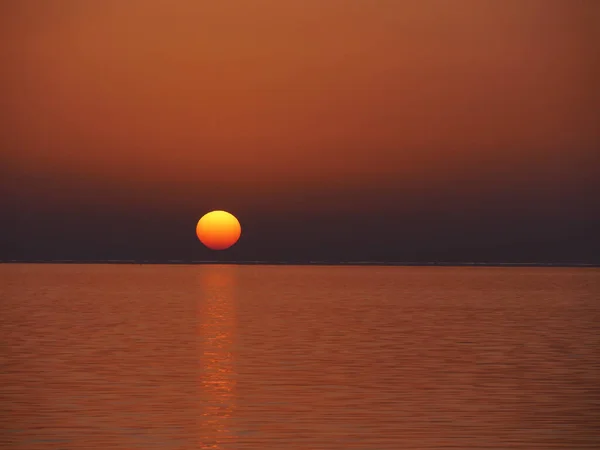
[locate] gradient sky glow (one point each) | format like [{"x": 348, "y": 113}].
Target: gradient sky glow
[{"x": 334, "y": 129}]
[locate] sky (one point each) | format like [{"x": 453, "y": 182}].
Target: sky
[{"x": 338, "y": 130}]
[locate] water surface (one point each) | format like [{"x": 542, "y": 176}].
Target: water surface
[{"x": 293, "y": 357}]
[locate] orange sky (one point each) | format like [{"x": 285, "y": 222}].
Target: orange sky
[{"x": 266, "y": 100}]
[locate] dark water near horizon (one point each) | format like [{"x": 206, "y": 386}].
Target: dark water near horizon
[{"x": 298, "y": 357}]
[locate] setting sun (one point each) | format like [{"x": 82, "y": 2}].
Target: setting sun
[{"x": 218, "y": 230}]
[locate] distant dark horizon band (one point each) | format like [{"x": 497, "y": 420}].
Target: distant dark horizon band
[{"x": 314, "y": 263}]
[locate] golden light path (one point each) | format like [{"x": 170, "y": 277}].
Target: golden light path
[{"x": 217, "y": 325}]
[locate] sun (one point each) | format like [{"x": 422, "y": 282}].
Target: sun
[{"x": 218, "y": 230}]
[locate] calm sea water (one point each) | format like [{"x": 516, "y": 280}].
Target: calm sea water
[{"x": 271, "y": 357}]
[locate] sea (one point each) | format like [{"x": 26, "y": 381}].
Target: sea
[{"x": 114, "y": 356}]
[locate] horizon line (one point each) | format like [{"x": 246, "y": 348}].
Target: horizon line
[{"x": 304, "y": 263}]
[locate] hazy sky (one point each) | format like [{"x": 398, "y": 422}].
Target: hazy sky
[{"x": 333, "y": 128}]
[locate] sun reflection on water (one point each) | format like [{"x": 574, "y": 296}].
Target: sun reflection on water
[{"x": 217, "y": 322}]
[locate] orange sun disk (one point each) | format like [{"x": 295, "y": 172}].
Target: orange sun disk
[{"x": 218, "y": 230}]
